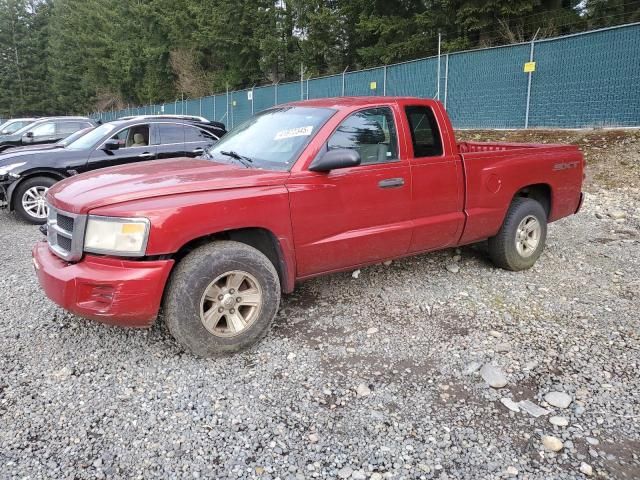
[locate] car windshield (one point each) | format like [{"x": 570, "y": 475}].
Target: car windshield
[
  {"x": 90, "y": 139},
  {"x": 73, "y": 137},
  {"x": 272, "y": 139},
  {"x": 11, "y": 127}
]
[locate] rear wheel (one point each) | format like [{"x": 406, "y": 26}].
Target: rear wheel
[
  {"x": 521, "y": 239},
  {"x": 29, "y": 199},
  {"x": 222, "y": 298}
]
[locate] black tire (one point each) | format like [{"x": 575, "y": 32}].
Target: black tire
[
  {"x": 191, "y": 278},
  {"x": 21, "y": 189},
  {"x": 502, "y": 247}
]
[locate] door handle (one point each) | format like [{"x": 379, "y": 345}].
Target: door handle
[
  {"x": 391, "y": 183},
  {"x": 198, "y": 150},
  {"x": 146, "y": 155}
]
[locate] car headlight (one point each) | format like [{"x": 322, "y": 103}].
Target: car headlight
[{"x": 126, "y": 237}]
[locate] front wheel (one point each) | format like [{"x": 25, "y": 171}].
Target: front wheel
[
  {"x": 521, "y": 239},
  {"x": 29, "y": 199},
  {"x": 222, "y": 298}
]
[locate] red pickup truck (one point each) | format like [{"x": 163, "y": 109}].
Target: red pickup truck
[{"x": 298, "y": 190}]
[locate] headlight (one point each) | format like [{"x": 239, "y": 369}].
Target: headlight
[
  {"x": 125, "y": 237},
  {"x": 7, "y": 168}
]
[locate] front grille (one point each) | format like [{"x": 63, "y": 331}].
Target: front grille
[
  {"x": 65, "y": 234},
  {"x": 65, "y": 222},
  {"x": 64, "y": 243}
]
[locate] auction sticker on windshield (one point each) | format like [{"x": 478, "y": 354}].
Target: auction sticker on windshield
[{"x": 294, "y": 132}]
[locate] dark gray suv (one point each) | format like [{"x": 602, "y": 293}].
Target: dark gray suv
[{"x": 45, "y": 130}]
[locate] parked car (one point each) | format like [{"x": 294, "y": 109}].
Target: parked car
[
  {"x": 15, "y": 124},
  {"x": 49, "y": 146},
  {"x": 25, "y": 177},
  {"x": 45, "y": 130},
  {"x": 300, "y": 190}
]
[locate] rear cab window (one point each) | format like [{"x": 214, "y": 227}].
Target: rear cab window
[{"x": 425, "y": 133}]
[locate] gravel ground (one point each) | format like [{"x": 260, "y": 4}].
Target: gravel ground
[{"x": 377, "y": 376}]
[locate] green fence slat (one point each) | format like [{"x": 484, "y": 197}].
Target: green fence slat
[{"x": 582, "y": 80}]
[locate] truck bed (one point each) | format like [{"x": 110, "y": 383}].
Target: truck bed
[{"x": 495, "y": 171}]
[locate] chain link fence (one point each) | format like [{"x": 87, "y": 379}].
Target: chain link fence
[{"x": 590, "y": 79}]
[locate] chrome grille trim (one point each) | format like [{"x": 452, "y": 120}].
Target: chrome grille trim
[{"x": 54, "y": 231}]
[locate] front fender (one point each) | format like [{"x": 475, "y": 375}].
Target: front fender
[{"x": 177, "y": 220}]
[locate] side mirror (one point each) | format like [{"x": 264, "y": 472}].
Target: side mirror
[
  {"x": 27, "y": 137},
  {"x": 5, "y": 132},
  {"x": 111, "y": 145},
  {"x": 333, "y": 159}
]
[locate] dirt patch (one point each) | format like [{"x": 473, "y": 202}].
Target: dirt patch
[
  {"x": 380, "y": 367},
  {"x": 626, "y": 463},
  {"x": 454, "y": 325}
]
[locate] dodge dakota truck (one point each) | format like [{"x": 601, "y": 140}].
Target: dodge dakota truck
[{"x": 299, "y": 190}]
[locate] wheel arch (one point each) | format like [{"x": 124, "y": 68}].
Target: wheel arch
[
  {"x": 43, "y": 172},
  {"x": 262, "y": 239},
  {"x": 540, "y": 192}
]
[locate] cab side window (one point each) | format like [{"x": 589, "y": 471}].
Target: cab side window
[
  {"x": 425, "y": 133},
  {"x": 371, "y": 132},
  {"x": 137, "y": 136}
]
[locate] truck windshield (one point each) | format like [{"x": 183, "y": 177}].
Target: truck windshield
[{"x": 272, "y": 139}]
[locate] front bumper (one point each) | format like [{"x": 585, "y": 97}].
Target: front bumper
[{"x": 108, "y": 290}]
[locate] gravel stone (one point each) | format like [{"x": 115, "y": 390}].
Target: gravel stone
[
  {"x": 510, "y": 404},
  {"x": 493, "y": 376},
  {"x": 559, "y": 421},
  {"x": 532, "y": 409},
  {"x": 618, "y": 214},
  {"x": 345, "y": 472},
  {"x": 453, "y": 267},
  {"x": 551, "y": 443},
  {"x": 558, "y": 399},
  {"x": 363, "y": 390},
  {"x": 586, "y": 469},
  {"x": 472, "y": 368}
]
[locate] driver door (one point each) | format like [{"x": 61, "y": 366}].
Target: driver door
[
  {"x": 357, "y": 215},
  {"x": 134, "y": 147}
]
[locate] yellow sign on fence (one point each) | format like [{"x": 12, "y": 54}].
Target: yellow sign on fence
[
  {"x": 373, "y": 85},
  {"x": 529, "y": 67}
]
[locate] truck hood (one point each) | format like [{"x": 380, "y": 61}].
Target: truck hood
[{"x": 109, "y": 186}]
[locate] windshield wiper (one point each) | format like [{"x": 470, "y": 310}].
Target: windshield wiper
[{"x": 241, "y": 158}]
